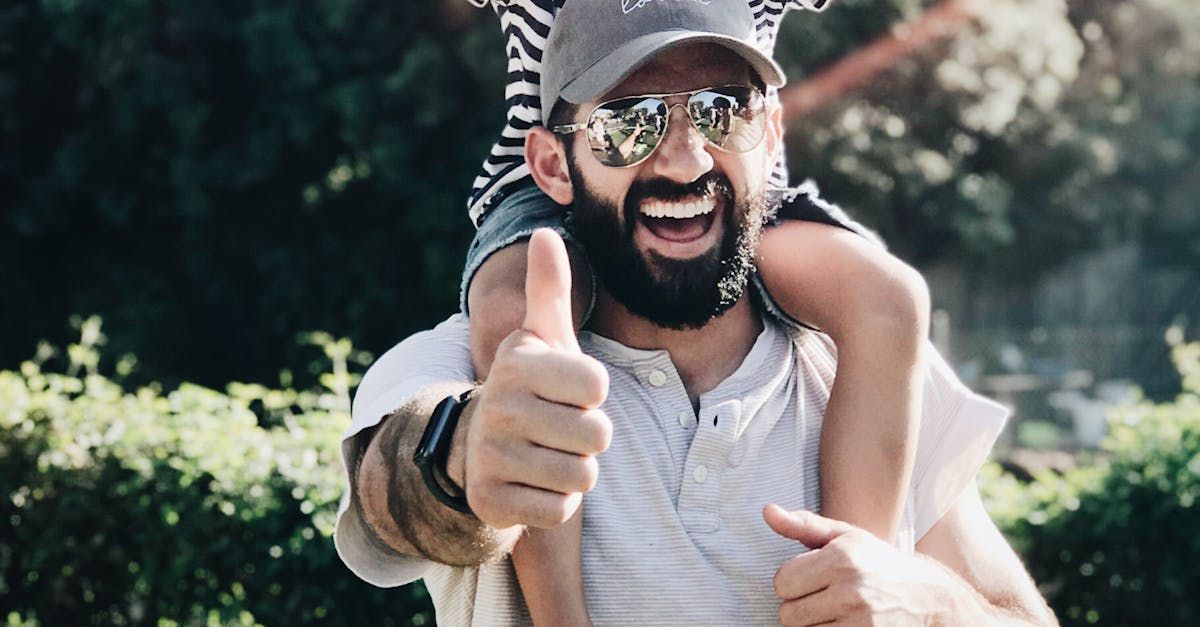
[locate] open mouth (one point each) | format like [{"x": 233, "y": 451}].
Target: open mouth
[
  {"x": 679, "y": 228},
  {"x": 679, "y": 221}
]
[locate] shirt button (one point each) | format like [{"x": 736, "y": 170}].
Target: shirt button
[
  {"x": 657, "y": 378},
  {"x": 700, "y": 474},
  {"x": 685, "y": 419}
]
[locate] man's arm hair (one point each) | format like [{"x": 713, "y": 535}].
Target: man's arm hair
[
  {"x": 968, "y": 545},
  {"x": 399, "y": 513}
]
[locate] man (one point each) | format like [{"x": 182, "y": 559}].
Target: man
[{"x": 712, "y": 411}]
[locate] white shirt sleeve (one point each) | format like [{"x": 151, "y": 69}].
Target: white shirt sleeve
[
  {"x": 958, "y": 429},
  {"x": 438, "y": 356}
]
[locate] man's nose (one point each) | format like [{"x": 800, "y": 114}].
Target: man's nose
[{"x": 682, "y": 155}]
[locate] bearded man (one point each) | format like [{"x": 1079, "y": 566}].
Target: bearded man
[{"x": 683, "y": 410}]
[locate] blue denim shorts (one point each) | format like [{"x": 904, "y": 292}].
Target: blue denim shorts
[
  {"x": 512, "y": 219},
  {"x": 520, "y": 212}
]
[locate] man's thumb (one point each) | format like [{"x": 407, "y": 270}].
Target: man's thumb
[
  {"x": 811, "y": 530},
  {"x": 548, "y": 291}
]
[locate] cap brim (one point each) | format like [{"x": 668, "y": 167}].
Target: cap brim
[{"x": 615, "y": 67}]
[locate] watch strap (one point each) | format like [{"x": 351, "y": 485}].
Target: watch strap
[{"x": 434, "y": 451}]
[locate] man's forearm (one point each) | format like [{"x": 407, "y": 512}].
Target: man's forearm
[
  {"x": 400, "y": 512},
  {"x": 966, "y": 605},
  {"x": 986, "y": 582}
]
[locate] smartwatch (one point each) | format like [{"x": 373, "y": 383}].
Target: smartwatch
[{"x": 434, "y": 449}]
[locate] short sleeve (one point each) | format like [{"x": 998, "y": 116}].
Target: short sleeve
[
  {"x": 958, "y": 429},
  {"x": 438, "y": 356}
]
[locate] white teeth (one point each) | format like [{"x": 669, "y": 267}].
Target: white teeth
[{"x": 679, "y": 210}]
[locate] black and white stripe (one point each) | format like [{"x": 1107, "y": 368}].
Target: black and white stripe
[{"x": 526, "y": 23}]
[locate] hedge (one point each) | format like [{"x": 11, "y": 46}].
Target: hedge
[
  {"x": 196, "y": 506},
  {"x": 1116, "y": 542},
  {"x": 184, "y": 507}
]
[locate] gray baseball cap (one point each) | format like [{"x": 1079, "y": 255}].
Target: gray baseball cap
[{"x": 593, "y": 45}]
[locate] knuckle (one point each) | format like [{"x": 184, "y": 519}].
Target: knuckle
[
  {"x": 788, "y": 614},
  {"x": 778, "y": 583},
  {"x": 595, "y": 382},
  {"x": 598, "y": 430},
  {"x": 843, "y": 566},
  {"x": 590, "y": 473},
  {"x": 488, "y": 460},
  {"x": 507, "y": 413},
  {"x": 551, "y": 512},
  {"x": 506, "y": 346},
  {"x": 520, "y": 350},
  {"x": 562, "y": 511},
  {"x": 529, "y": 350},
  {"x": 855, "y": 604},
  {"x": 509, "y": 353},
  {"x": 487, "y": 408},
  {"x": 481, "y": 502},
  {"x": 854, "y": 557},
  {"x": 500, "y": 414},
  {"x": 844, "y": 571}
]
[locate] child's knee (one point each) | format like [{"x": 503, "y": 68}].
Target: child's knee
[
  {"x": 498, "y": 279},
  {"x": 496, "y": 302}
]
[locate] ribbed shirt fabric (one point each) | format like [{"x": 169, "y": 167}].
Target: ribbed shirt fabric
[
  {"x": 673, "y": 530},
  {"x": 526, "y": 24}
]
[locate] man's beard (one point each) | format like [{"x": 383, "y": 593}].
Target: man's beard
[{"x": 671, "y": 293}]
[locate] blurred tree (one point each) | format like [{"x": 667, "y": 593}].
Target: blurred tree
[
  {"x": 214, "y": 179},
  {"x": 1112, "y": 542},
  {"x": 1041, "y": 129}
]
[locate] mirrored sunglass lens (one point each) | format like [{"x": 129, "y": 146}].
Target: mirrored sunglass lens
[
  {"x": 624, "y": 132},
  {"x": 730, "y": 117}
]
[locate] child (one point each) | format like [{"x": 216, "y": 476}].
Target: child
[{"x": 873, "y": 306}]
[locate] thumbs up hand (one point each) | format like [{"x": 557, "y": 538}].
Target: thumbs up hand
[
  {"x": 548, "y": 291},
  {"x": 849, "y": 575},
  {"x": 535, "y": 425}
]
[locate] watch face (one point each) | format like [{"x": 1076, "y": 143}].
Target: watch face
[
  {"x": 434, "y": 448},
  {"x": 435, "y": 432}
]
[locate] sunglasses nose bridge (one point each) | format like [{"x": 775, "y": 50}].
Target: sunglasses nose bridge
[
  {"x": 683, "y": 152},
  {"x": 687, "y": 115}
]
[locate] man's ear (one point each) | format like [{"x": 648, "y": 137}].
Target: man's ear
[
  {"x": 547, "y": 161},
  {"x": 774, "y": 131}
]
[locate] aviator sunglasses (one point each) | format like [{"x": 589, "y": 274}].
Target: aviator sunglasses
[{"x": 624, "y": 132}]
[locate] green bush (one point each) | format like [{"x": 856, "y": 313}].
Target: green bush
[
  {"x": 1116, "y": 543},
  {"x": 190, "y": 506}
]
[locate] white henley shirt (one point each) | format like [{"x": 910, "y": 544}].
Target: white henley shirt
[{"x": 673, "y": 530}]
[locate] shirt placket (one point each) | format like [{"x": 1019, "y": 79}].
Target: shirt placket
[
  {"x": 671, "y": 408},
  {"x": 707, "y": 460}
]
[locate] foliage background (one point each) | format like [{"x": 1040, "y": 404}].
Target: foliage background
[
  {"x": 214, "y": 179},
  {"x": 217, "y": 179}
]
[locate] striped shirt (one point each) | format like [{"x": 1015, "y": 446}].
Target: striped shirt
[
  {"x": 526, "y": 24},
  {"x": 673, "y": 531}
]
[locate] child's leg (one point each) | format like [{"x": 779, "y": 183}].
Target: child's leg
[
  {"x": 548, "y": 562},
  {"x": 876, "y": 310},
  {"x": 496, "y": 298},
  {"x": 549, "y": 565}
]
